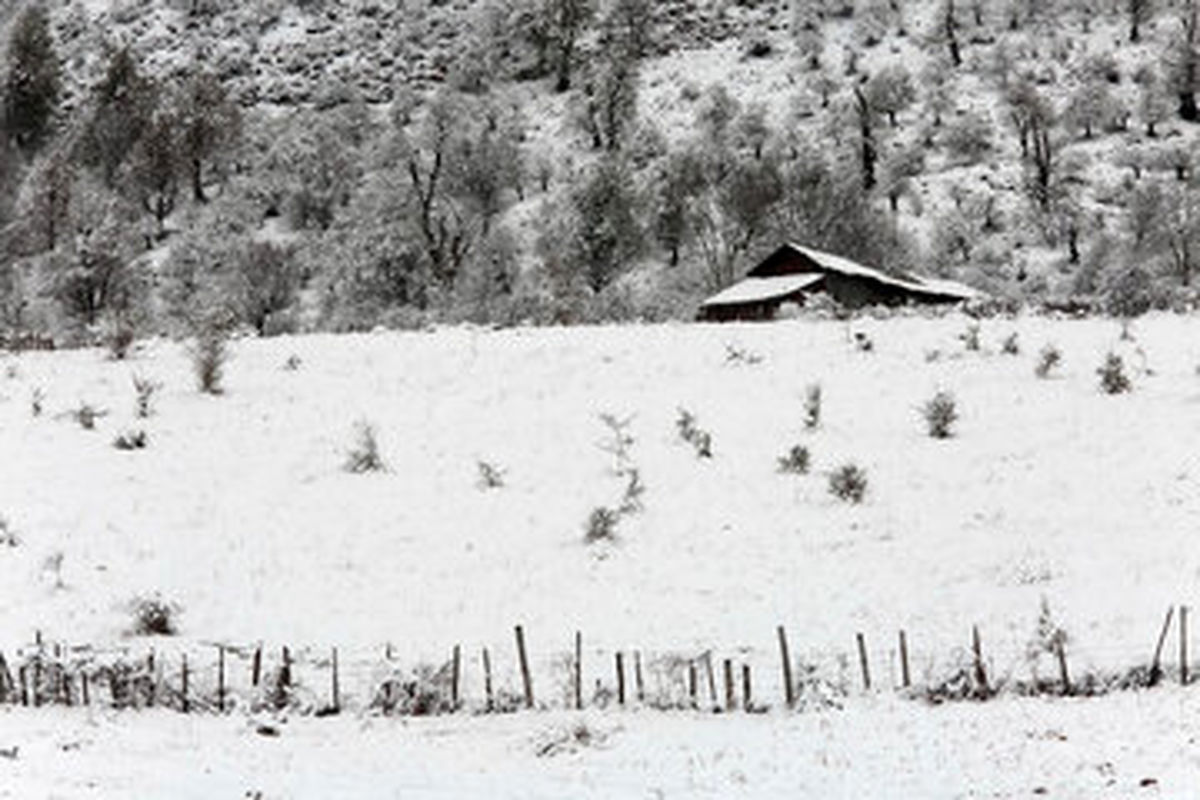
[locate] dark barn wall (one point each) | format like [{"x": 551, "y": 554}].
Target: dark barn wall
[{"x": 855, "y": 292}]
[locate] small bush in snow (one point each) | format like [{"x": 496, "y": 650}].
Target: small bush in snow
[
  {"x": 36, "y": 401},
  {"x": 86, "y": 415},
  {"x": 1113, "y": 379},
  {"x": 736, "y": 354},
  {"x": 131, "y": 440},
  {"x": 153, "y": 616},
  {"x": 426, "y": 691},
  {"x": 209, "y": 356},
  {"x": 970, "y": 337},
  {"x": 292, "y": 364},
  {"x": 491, "y": 476},
  {"x": 601, "y": 525},
  {"x": 144, "y": 390},
  {"x": 848, "y": 482},
  {"x": 796, "y": 460},
  {"x": 863, "y": 342},
  {"x": 8, "y": 537},
  {"x": 940, "y": 413},
  {"x": 699, "y": 439},
  {"x": 812, "y": 406},
  {"x": 120, "y": 338},
  {"x": 1011, "y": 345},
  {"x": 619, "y": 441},
  {"x": 364, "y": 456},
  {"x": 631, "y": 500},
  {"x": 1048, "y": 359}
]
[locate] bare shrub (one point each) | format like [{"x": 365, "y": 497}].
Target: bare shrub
[
  {"x": 131, "y": 440},
  {"x": 292, "y": 364},
  {"x": 796, "y": 461},
  {"x": 619, "y": 440},
  {"x": 364, "y": 456},
  {"x": 120, "y": 339},
  {"x": 631, "y": 500},
  {"x": 1113, "y": 379},
  {"x": 970, "y": 337},
  {"x": 8, "y": 536},
  {"x": 1011, "y": 345},
  {"x": 863, "y": 342},
  {"x": 210, "y": 353},
  {"x": 1048, "y": 359},
  {"x": 144, "y": 390},
  {"x": 699, "y": 439},
  {"x": 736, "y": 354},
  {"x": 153, "y": 616},
  {"x": 87, "y": 414},
  {"x": 601, "y": 525},
  {"x": 940, "y": 413},
  {"x": 491, "y": 476},
  {"x": 36, "y": 401},
  {"x": 425, "y": 691},
  {"x": 812, "y": 406},
  {"x": 848, "y": 482}
]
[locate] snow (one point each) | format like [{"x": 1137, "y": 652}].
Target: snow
[
  {"x": 770, "y": 288},
  {"x": 1126, "y": 745},
  {"x": 239, "y": 511}
]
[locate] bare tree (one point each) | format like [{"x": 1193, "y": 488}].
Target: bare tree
[{"x": 1140, "y": 12}]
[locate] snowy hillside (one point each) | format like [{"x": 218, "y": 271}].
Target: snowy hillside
[{"x": 240, "y": 511}]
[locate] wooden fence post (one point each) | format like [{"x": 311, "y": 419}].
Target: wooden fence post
[
  {"x": 789, "y": 690},
  {"x": 153, "y": 677},
  {"x": 712, "y": 681},
  {"x": 1063, "y": 675},
  {"x": 337, "y": 689},
  {"x": 83, "y": 683},
  {"x": 285, "y": 671},
  {"x": 455, "y": 677},
  {"x": 524, "y": 659},
  {"x": 1155, "y": 664},
  {"x": 487, "y": 680},
  {"x": 862, "y": 661},
  {"x": 578, "y": 677},
  {"x": 620, "y": 679},
  {"x": 691, "y": 684},
  {"x": 904, "y": 677},
  {"x": 747, "y": 701},
  {"x": 256, "y": 666},
  {"x": 730, "y": 695},
  {"x": 5, "y": 680},
  {"x": 637, "y": 676},
  {"x": 981, "y": 680},
  {"x": 22, "y": 674},
  {"x": 220, "y": 678},
  {"x": 184, "y": 685},
  {"x": 1183, "y": 653}
]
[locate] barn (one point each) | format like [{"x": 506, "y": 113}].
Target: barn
[{"x": 793, "y": 272}]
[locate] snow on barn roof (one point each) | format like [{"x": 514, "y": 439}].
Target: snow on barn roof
[
  {"x": 753, "y": 290},
  {"x": 910, "y": 283}
]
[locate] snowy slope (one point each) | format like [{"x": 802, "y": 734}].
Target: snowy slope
[{"x": 240, "y": 510}]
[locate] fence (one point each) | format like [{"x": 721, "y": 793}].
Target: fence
[{"x": 224, "y": 677}]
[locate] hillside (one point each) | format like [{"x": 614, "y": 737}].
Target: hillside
[{"x": 1051, "y": 163}]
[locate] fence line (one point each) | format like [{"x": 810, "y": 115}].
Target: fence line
[{"x": 225, "y": 677}]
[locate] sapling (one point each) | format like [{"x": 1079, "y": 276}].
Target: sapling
[
  {"x": 812, "y": 406},
  {"x": 1113, "y": 379},
  {"x": 940, "y": 413},
  {"x": 1048, "y": 359},
  {"x": 848, "y": 482}
]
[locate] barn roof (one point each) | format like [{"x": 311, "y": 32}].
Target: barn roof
[
  {"x": 756, "y": 290},
  {"x": 910, "y": 283}
]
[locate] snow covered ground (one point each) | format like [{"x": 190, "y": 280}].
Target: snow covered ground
[
  {"x": 240, "y": 512},
  {"x": 1134, "y": 744}
]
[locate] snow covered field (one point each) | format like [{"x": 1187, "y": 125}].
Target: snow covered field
[
  {"x": 240, "y": 512},
  {"x": 1131, "y": 744}
]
